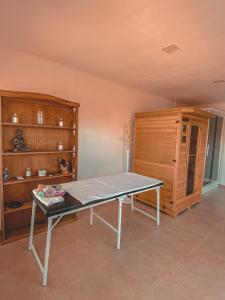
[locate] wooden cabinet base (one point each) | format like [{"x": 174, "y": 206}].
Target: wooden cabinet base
[{"x": 172, "y": 209}]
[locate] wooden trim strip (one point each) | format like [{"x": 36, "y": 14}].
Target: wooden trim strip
[{"x": 34, "y": 95}]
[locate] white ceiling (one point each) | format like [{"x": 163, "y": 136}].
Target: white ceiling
[{"x": 122, "y": 40}]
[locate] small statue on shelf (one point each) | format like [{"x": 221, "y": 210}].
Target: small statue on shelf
[
  {"x": 5, "y": 174},
  {"x": 18, "y": 142},
  {"x": 63, "y": 165}
]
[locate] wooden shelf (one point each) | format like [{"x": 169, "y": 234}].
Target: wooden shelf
[
  {"x": 38, "y": 126},
  {"x": 37, "y": 152},
  {"x": 42, "y": 140},
  {"x": 15, "y": 234},
  {"x": 35, "y": 178},
  {"x": 25, "y": 205}
]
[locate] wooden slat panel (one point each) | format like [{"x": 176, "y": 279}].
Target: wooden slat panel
[
  {"x": 180, "y": 193},
  {"x": 163, "y": 173},
  {"x": 155, "y": 140},
  {"x": 188, "y": 111}
]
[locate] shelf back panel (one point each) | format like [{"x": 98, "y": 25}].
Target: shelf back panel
[
  {"x": 39, "y": 139},
  {"x": 17, "y": 165},
  {"x": 26, "y": 110}
]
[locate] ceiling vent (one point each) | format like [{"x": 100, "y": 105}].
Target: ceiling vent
[
  {"x": 219, "y": 81},
  {"x": 170, "y": 49}
]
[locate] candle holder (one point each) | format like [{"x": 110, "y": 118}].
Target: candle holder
[
  {"x": 60, "y": 146},
  {"x": 40, "y": 117},
  {"x": 15, "y": 118},
  {"x": 61, "y": 124}
]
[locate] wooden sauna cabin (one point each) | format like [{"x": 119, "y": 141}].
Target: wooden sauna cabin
[{"x": 170, "y": 145}]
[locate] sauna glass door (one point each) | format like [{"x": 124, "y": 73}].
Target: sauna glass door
[
  {"x": 192, "y": 158},
  {"x": 213, "y": 149}
]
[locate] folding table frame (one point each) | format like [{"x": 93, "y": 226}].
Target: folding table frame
[{"x": 53, "y": 221}]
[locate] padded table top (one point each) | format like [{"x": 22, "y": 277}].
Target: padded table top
[{"x": 83, "y": 193}]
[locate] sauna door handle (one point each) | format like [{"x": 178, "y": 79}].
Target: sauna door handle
[{"x": 207, "y": 150}]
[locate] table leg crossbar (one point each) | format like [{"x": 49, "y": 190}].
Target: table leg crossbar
[
  {"x": 118, "y": 229},
  {"x": 104, "y": 221},
  {"x": 157, "y": 218}
]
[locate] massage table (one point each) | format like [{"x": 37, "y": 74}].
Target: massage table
[{"x": 87, "y": 194}]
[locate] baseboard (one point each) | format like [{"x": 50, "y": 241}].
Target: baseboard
[{"x": 210, "y": 186}]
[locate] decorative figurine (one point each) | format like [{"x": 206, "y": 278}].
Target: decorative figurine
[
  {"x": 18, "y": 142},
  {"x": 5, "y": 174},
  {"x": 63, "y": 165}
]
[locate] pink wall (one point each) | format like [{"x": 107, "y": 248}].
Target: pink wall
[{"x": 105, "y": 106}]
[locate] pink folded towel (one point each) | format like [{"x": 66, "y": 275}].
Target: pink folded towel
[{"x": 50, "y": 190}]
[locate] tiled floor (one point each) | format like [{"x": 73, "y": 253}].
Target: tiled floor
[{"x": 183, "y": 259}]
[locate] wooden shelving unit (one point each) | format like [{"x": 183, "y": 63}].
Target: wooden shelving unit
[{"x": 42, "y": 139}]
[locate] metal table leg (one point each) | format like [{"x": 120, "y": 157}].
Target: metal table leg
[
  {"x": 43, "y": 267},
  {"x": 47, "y": 249},
  {"x": 119, "y": 224},
  {"x": 158, "y": 206},
  {"x": 91, "y": 215},
  {"x": 132, "y": 203},
  {"x": 157, "y": 218},
  {"x": 34, "y": 205}
]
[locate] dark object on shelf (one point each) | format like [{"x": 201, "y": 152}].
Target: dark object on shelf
[
  {"x": 5, "y": 174},
  {"x": 18, "y": 142},
  {"x": 63, "y": 165},
  {"x": 14, "y": 204},
  {"x": 184, "y": 138},
  {"x": 185, "y": 119}
]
